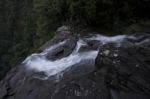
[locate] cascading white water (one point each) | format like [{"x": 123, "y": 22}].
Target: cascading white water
[
  {"x": 39, "y": 63},
  {"x": 80, "y": 43},
  {"x": 42, "y": 54},
  {"x": 107, "y": 39}
]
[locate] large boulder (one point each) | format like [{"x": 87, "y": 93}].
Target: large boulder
[
  {"x": 126, "y": 70},
  {"x": 121, "y": 72}
]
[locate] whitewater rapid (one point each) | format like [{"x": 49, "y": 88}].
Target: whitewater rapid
[{"x": 39, "y": 63}]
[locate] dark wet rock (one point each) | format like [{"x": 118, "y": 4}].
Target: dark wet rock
[
  {"x": 90, "y": 45},
  {"x": 63, "y": 33},
  {"x": 121, "y": 72},
  {"x": 127, "y": 68},
  {"x": 63, "y": 51},
  {"x": 94, "y": 44},
  {"x": 85, "y": 48},
  {"x": 81, "y": 68},
  {"x": 88, "y": 86}
]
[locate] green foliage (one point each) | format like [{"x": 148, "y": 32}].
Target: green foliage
[{"x": 51, "y": 13}]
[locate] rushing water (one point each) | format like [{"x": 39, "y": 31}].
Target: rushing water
[{"x": 39, "y": 63}]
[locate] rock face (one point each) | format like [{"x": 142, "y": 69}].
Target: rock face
[
  {"x": 120, "y": 70},
  {"x": 126, "y": 70}
]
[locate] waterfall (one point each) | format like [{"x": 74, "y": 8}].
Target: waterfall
[{"x": 39, "y": 63}]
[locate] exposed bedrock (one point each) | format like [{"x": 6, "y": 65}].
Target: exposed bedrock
[{"x": 90, "y": 67}]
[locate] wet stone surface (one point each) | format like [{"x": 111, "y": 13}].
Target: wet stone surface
[{"x": 118, "y": 69}]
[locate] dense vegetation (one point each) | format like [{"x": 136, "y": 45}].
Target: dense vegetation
[{"x": 27, "y": 24}]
